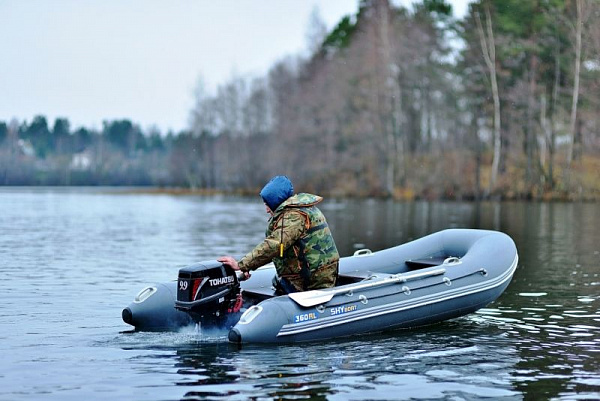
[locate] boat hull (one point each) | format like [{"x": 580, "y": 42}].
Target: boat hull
[
  {"x": 442, "y": 276},
  {"x": 465, "y": 286},
  {"x": 153, "y": 309}
]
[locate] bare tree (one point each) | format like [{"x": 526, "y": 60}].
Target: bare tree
[
  {"x": 257, "y": 122},
  {"x": 488, "y": 48},
  {"x": 202, "y": 117},
  {"x": 548, "y": 123},
  {"x": 229, "y": 103},
  {"x": 8, "y": 153},
  {"x": 316, "y": 31},
  {"x": 577, "y": 70}
]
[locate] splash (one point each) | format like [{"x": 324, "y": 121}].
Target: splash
[{"x": 195, "y": 332}]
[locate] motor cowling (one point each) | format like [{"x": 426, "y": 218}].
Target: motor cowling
[{"x": 208, "y": 291}]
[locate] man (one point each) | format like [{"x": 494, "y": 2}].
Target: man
[{"x": 298, "y": 241}]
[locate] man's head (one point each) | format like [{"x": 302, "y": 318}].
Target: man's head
[{"x": 276, "y": 191}]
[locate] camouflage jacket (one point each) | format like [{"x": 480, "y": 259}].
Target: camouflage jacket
[{"x": 310, "y": 257}]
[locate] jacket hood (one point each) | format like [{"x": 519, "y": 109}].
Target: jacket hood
[
  {"x": 301, "y": 200},
  {"x": 277, "y": 191}
]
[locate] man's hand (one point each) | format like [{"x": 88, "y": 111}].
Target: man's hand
[{"x": 231, "y": 262}]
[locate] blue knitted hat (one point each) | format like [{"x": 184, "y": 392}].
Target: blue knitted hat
[{"x": 276, "y": 191}]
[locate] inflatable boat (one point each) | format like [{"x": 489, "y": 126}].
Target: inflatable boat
[{"x": 441, "y": 276}]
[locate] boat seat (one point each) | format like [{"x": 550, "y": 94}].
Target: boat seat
[
  {"x": 260, "y": 293},
  {"x": 415, "y": 264}
]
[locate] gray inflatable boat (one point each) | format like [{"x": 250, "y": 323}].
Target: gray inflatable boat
[{"x": 441, "y": 276}]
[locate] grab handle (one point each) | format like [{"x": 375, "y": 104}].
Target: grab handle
[
  {"x": 363, "y": 252},
  {"x": 452, "y": 260},
  {"x": 144, "y": 294}
]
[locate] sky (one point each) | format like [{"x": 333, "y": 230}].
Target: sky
[{"x": 96, "y": 60}]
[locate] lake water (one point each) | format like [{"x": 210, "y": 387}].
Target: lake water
[{"x": 71, "y": 259}]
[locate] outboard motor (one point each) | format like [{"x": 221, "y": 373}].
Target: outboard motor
[{"x": 210, "y": 293}]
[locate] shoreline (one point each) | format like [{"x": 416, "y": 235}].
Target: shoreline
[{"x": 400, "y": 196}]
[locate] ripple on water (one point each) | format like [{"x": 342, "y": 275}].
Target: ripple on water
[
  {"x": 71, "y": 261},
  {"x": 413, "y": 386}
]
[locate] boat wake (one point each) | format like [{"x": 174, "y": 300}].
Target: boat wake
[{"x": 183, "y": 337}]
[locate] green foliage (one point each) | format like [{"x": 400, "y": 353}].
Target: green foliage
[
  {"x": 515, "y": 17},
  {"x": 39, "y": 135},
  {"x": 155, "y": 142},
  {"x": 401, "y": 115},
  {"x": 439, "y": 7},
  {"x": 341, "y": 35},
  {"x": 61, "y": 128},
  {"x": 118, "y": 132},
  {"x": 3, "y": 131},
  {"x": 124, "y": 135},
  {"x": 82, "y": 139}
]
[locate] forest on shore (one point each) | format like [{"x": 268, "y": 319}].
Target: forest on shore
[{"x": 409, "y": 104}]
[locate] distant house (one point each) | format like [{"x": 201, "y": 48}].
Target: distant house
[
  {"x": 81, "y": 161},
  {"x": 26, "y": 148}
]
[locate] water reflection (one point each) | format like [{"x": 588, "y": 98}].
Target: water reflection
[
  {"x": 540, "y": 339},
  {"x": 556, "y": 344},
  {"x": 463, "y": 359},
  {"x": 380, "y": 224},
  {"x": 72, "y": 260}
]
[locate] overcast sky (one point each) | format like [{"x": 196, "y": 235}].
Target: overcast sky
[{"x": 98, "y": 60}]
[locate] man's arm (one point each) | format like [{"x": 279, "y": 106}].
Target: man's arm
[{"x": 294, "y": 225}]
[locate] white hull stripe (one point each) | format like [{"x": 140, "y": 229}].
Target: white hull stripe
[{"x": 330, "y": 321}]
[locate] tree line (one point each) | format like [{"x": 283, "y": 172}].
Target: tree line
[{"x": 407, "y": 104}]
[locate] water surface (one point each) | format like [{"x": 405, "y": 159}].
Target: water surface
[{"x": 71, "y": 259}]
